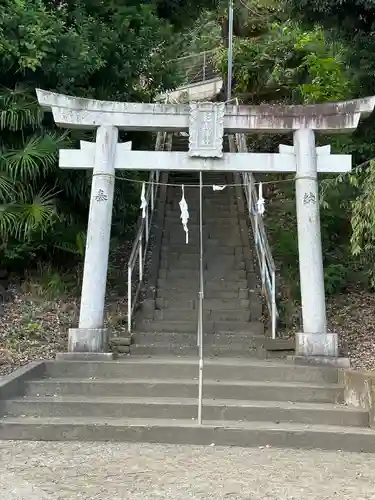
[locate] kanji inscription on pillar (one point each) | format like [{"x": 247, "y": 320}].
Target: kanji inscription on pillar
[
  {"x": 101, "y": 196},
  {"x": 206, "y": 129},
  {"x": 309, "y": 199}
]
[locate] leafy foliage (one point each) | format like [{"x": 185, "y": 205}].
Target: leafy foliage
[
  {"x": 297, "y": 66},
  {"x": 353, "y": 22},
  {"x": 107, "y": 50}
]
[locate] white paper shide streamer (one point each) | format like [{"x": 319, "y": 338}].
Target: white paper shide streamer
[
  {"x": 184, "y": 214},
  {"x": 215, "y": 187},
  {"x": 143, "y": 200},
  {"x": 260, "y": 202}
]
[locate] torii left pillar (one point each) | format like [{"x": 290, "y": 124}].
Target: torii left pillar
[{"x": 91, "y": 336}]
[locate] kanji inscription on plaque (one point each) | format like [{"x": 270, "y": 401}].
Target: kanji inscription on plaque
[{"x": 206, "y": 129}]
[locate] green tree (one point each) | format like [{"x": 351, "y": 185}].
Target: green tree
[
  {"x": 288, "y": 64},
  {"x": 104, "y": 50}
]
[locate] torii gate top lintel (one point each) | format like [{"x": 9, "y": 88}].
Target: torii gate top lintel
[{"x": 76, "y": 112}]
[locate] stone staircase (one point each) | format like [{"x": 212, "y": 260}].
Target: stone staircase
[
  {"x": 246, "y": 402},
  {"x": 232, "y": 302}
]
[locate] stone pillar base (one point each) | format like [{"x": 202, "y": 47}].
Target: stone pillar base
[
  {"x": 84, "y": 356},
  {"x": 88, "y": 340},
  {"x": 317, "y": 344},
  {"x": 334, "y": 362}
]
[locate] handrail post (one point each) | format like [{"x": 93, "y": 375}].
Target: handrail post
[
  {"x": 140, "y": 257},
  {"x": 263, "y": 270},
  {"x": 129, "y": 299},
  {"x": 204, "y": 66},
  {"x": 201, "y": 296},
  {"x": 273, "y": 308},
  {"x": 147, "y": 226}
]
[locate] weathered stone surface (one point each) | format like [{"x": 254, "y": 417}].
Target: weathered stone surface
[
  {"x": 84, "y": 356},
  {"x": 88, "y": 340},
  {"x": 334, "y": 361},
  {"x": 118, "y": 341},
  {"x": 14, "y": 384},
  {"x": 317, "y": 344},
  {"x": 77, "y": 112},
  {"x": 206, "y": 130},
  {"x": 359, "y": 391},
  {"x": 122, "y": 349}
]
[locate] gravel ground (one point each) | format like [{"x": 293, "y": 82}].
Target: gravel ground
[
  {"x": 67, "y": 471},
  {"x": 35, "y": 326},
  {"x": 352, "y": 316}
]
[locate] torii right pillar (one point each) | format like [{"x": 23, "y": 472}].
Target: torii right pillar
[{"x": 314, "y": 342}]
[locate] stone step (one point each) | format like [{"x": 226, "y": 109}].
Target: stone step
[
  {"x": 212, "y": 389},
  {"x": 225, "y": 433},
  {"x": 176, "y": 303},
  {"x": 238, "y": 350},
  {"x": 208, "y": 215},
  {"x": 209, "y": 233},
  {"x": 208, "y": 249},
  {"x": 212, "y": 200},
  {"x": 179, "y": 239},
  {"x": 182, "y": 284},
  {"x": 181, "y": 315},
  {"x": 230, "y": 369},
  {"x": 208, "y": 203},
  {"x": 228, "y": 223},
  {"x": 212, "y": 275},
  {"x": 186, "y": 408},
  {"x": 211, "y": 217},
  {"x": 222, "y": 237},
  {"x": 193, "y": 258},
  {"x": 190, "y": 339},
  {"x": 168, "y": 265},
  {"x": 209, "y": 220},
  {"x": 170, "y": 294},
  {"x": 175, "y": 326}
]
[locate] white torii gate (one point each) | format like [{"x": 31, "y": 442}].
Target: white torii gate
[{"x": 206, "y": 123}]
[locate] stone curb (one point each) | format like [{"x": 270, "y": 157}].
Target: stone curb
[
  {"x": 14, "y": 384},
  {"x": 359, "y": 391}
]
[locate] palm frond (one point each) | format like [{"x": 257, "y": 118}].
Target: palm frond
[
  {"x": 6, "y": 187},
  {"x": 19, "y": 108},
  {"x": 8, "y": 221},
  {"x": 39, "y": 215},
  {"x": 35, "y": 159}
]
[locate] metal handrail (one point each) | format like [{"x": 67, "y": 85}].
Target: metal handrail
[
  {"x": 196, "y": 68},
  {"x": 195, "y": 54},
  {"x": 263, "y": 251},
  {"x": 140, "y": 245}
]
